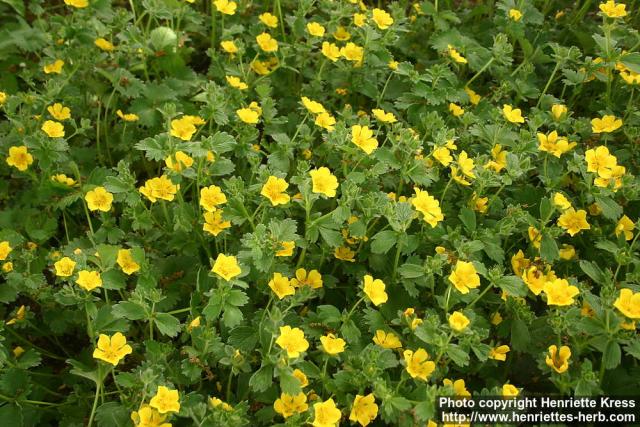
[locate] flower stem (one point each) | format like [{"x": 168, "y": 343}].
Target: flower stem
[{"x": 95, "y": 399}]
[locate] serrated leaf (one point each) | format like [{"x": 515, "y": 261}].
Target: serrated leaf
[
  {"x": 167, "y": 324},
  {"x": 383, "y": 241},
  {"x": 262, "y": 379}
]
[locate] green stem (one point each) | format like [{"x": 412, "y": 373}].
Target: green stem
[
  {"x": 481, "y": 295},
  {"x": 95, "y": 399},
  {"x": 353, "y": 309},
  {"x": 551, "y": 77},
  {"x": 397, "y": 259},
  {"x": 482, "y": 70}
]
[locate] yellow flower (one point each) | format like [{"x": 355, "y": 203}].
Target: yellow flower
[
  {"x": 613, "y": 9},
  {"x": 19, "y": 158},
  {"x": 606, "y": 124},
  {"x": 455, "y": 55},
  {"x": 383, "y": 116},
  {"x": 104, "y": 44},
  {"x": 464, "y": 277},
  {"x": 558, "y": 360},
  {"x": 77, "y": 3},
  {"x": 617, "y": 172},
  {"x": 559, "y": 292},
  {"x": 217, "y": 403},
  {"x": 179, "y": 161},
  {"x": 458, "y": 321},
  {"x": 213, "y": 222},
  {"x": 364, "y": 409},
  {"x": 286, "y": 248},
  {"x": 428, "y": 206},
  {"x": 509, "y": 390},
  {"x": 300, "y": 376},
  {"x": 65, "y": 267},
  {"x": 18, "y": 351},
  {"x": 393, "y": 65},
  {"x": 363, "y": 137},
  {"x": 458, "y": 386},
  {"x": 515, "y": 14},
  {"x": 442, "y": 155},
  {"x": 558, "y": 110},
  {"x": 288, "y": 405},
  {"x": 375, "y": 290},
  {"x": 274, "y": 190},
  {"x": 159, "y": 188},
  {"x": 341, "y": 34},
  {"x": 225, "y": 6},
  {"x": 535, "y": 279},
  {"x": 99, "y": 199},
  {"x": 128, "y": 117},
  {"x": 359, "y": 19},
  {"x": 236, "y": 83},
  {"x": 59, "y": 112},
  {"x": 514, "y": 115},
  {"x": 7, "y": 267},
  {"x": 147, "y": 416},
  {"x": 496, "y": 318},
  {"x": 352, "y": 52},
  {"x": 248, "y": 115},
  {"x": 561, "y": 201},
  {"x": 281, "y": 286},
  {"x": 600, "y": 161},
  {"x": 325, "y": 121},
  {"x": 466, "y": 164},
  {"x": 226, "y": 267},
  {"x": 567, "y": 252},
  {"x": 313, "y": 278},
  {"x": 182, "y": 128},
  {"x": 126, "y": 262},
  {"x": 628, "y": 303},
  {"x": 165, "y": 400},
  {"x": 312, "y": 106},
  {"x": 499, "y": 353},
  {"x": 573, "y": 221},
  {"x": 630, "y": 77},
  {"x": 331, "y": 51},
  {"x": 326, "y": 414},
  {"x": 112, "y": 349},
  {"x": 387, "y": 339},
  {"x": 211, "y": 197},
  {"x": 344, "y": 253},
  {"x": 229, "y": 46},
  {"x": 53, "y": 129},
  {"x": 269, "y": 20},
  {"x": 331, "y": 344},
  {"x": 499, "y": 157},
  {"x": 54, "y": 68},
  {"x": 3, "y": 97},
  {"x": 89, "y": 280},
  {"x": 626, "y": 226},
  {"x": 266, "y": 42},
  {"x": 455, "y": 109},
  {"x": 418, "y": 365},
  {"x": 315, "y": 29},
  {"x": 382, "y": 19},
  {"x": 474, "y": 98},
  {"x": 20, "y": 313},
  {"x": 324, "y": 182},
  {"x": 554, "y": 144},
  {"x": 292, "y": 340},
  {"x": 195, "y": 323}
]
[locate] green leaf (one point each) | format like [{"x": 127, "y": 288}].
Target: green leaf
[
  {"x": 108, "y": 255},
  {"x": 468, "y": 218},
  {"x": 520, "y": 336},
  {"x": 232, "y": 316},
  {"x": 332, "y": 237},
  {"x": 610, "y": 209},
  {"x": 549, "y": 248},
  {"x": 163, "y": 38},
  {"x": 457, "y": 355},
  {"x": 411, "y": 271},
  {"x": 383, "y": 241},
  {"x": 288, "y": 383},
  {"x": 129, "y": 310},
  {"x": 593, "y": 271},
  {"x": 631, "y": 61},
  {"x": 244, "y": 338},
  {"x": 262, "y": 379},
  {"x": 611, "y": 356},
  {"x": 236, "y": 297},
  {"x": 167, "y": 324},
  {"x": 633, "y": 348},
  {"x": 513, "y": 285},
  {"x": 113, "y": 414},
  {"x": 546, "y": 208}
]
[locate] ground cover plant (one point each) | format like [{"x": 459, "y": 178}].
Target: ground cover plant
[{"x": 315, "y": 212}]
